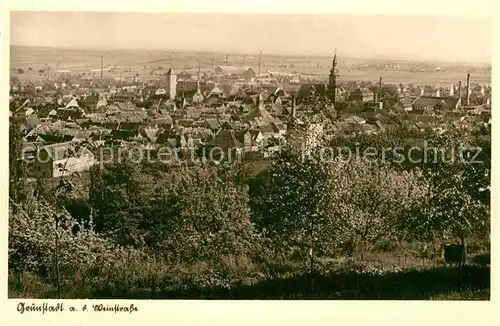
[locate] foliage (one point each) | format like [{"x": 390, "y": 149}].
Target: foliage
[
  {"x": 291, "y": 207},
  {"x": 32, "y": 238},
  {"x": 369, "y": 201},
  {"x": 115, "y": 195},
  {"x": 17, "y": 165},
  {"x": 206, "y": 211},
  {"x": 457, "y": 204}
]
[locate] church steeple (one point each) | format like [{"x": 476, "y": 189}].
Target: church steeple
[
  {"x": 334, "y": 62},
  {"x": 332, "y": 82}
]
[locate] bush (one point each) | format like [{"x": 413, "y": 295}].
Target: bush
[{"x": 32, "y": 236}]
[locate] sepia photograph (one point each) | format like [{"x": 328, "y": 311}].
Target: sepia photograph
[{"x": 249, "y": 156}]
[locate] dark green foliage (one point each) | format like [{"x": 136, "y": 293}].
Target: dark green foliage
[
  {"x": 17, "y": 166},
  {"x": 206, "y": 211},
  {"x": 115, "y": 195},
  {"x": 291, "y": 206}
]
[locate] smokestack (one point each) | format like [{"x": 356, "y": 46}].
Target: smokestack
[
  {"x": 226, "y": 59},
  {"x": 213, "y": 64},
  {"x": 460, "y": 90},
  {"x": 380, "y": 90},
  {"x": 468, "y": 89},
  {"x": 244, "y": 61},
  {"x": 293, "y": 107},
  {"x": 102, "y": 58}
]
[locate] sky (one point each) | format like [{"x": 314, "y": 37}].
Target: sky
[{"x": 443, "y": 38}]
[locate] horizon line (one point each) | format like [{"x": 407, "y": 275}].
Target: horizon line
[{"x": 252, "y": 53}]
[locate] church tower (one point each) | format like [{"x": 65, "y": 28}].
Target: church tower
[
  {"x": 198, "y": 97},
  {"x": 332, "y": 82},
  {"x": 171, "y": 83}
]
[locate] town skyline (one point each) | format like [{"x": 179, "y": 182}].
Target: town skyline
[
  {"x": 340, "y": 55},
  {"x": 282, "y": 35}
]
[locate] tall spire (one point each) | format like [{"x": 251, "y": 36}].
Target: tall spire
[{"x": 332, "y": 81}]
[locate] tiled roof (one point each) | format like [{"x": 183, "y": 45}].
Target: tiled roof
[
  {"x": 306, "y": 90},
  {"x": 62, "y": 151},
  {"x": 266, "y": 129},
  {"x": 226, "y": 139},
  {"x": 257, "y": 113},
  {"x": 447, "y": 103}
]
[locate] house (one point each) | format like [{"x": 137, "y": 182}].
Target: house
[
  {"x": 123, "y": 97},
  {"x": 102, "y": 102},
  {"x": 72, "y": 104},
  {"x": 429, "y": 104},
  {"x": 405, "y": 104},
  {"x": 257, "y": 114},
  {"x": 423, "y": 127},
  {"x": 244, "y": 72},
  {"x": 215, "y": 92},
  {"x": 72, "y": 113},
  {"x": 367, "y": 95},
  {"x": 29, "y": 111},
  {"x": 185, "y": 122},
  {"x": 31, "y": 122},
  {"x": 62, "y": 159},
  {"x": 125, "y": 106},
  {"x": 307, "y": 91},
  {"x": 91, "y": 101},
  {"x": 228, "y": 125},
  {"x": 229, "y": 140},
  {"x": 278, "y": 128},
  {"x": 151, "y": 134},
  {"x": 267, "y": 131},
  {"x": 164, "y": 122},
  {"x": 213, "y": 125},
  {"x": 257, "y": 139}
]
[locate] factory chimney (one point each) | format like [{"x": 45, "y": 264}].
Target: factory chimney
[
  {"x": 380, "y": 90},
  {"x": 468, "y": 89},
  {"x": 102, "y": 58},
  {"x": 226, "y": 59},
  {"x": 460, "y": 91},
  {"x": 294, "y": 113}
]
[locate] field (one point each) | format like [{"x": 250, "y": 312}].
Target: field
[
  {"x": 406, "y": 275},
  {"x": 142, "y": 62}
]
